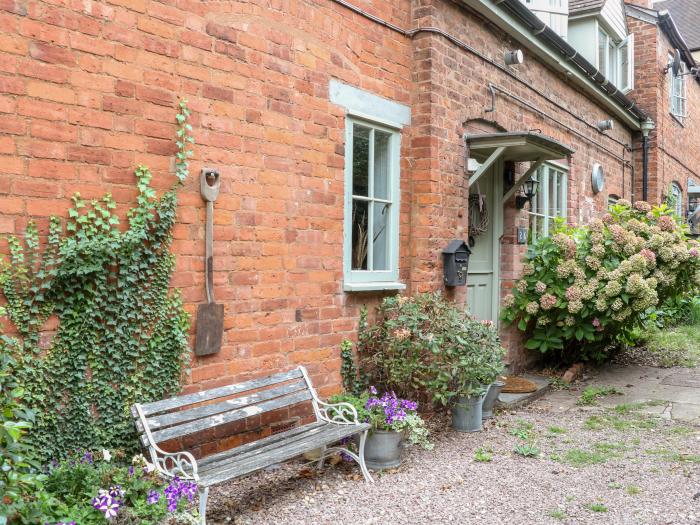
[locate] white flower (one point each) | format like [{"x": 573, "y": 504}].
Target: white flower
[
  {"x": 148, "y": 467},
  {"x": 106, "y": 455}
]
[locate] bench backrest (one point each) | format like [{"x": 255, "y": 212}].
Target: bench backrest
[{"x": 191, "y": 413}]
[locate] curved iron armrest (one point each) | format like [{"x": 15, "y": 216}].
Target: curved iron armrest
[
  {"x": 181, "y": 464},
  {"x": 342, "y": 413},
  {"x": 171, "y": 464}
]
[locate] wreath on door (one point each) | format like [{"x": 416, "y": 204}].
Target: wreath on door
[{"x": 478, "y": 216}]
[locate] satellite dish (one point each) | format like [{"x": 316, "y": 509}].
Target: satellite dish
[{"x": 675, "y": 63}]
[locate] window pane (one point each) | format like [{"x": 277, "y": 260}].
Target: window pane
[
  {"x": 625, "y": 65},
  {"x": 602, "y": 51},
  {"x": 380, "y": 251},
  {"x": 381, "y": 164},
  {"x": 360, "y": 227},
  {"x": 553, "y": 193},
  {"x": 360, "y": 160},
  {"x": 612, "y": 62}
]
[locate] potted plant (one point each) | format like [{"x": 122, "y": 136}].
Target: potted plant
[
  {"x": 393, "y": 421},
  {"x": 469, "y": 361}
]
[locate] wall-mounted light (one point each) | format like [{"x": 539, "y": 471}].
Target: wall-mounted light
[
  {"x": 605, "y": 125},
  {"x": 514, "y": 57},
  {"x": 529, "y": 191}
]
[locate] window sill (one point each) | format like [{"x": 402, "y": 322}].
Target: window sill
[
  {"x": 678, "y": 119},
  {"x": 373, "y": 287}
]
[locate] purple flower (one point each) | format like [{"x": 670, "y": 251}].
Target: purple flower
[
  {"x": 87, "y": 458},
  {"x": 106, "y": 504},
  {"x": 153, "y": 497},
  {"x": 178, "y": 489},
  {"x": 373, "y": 390},
  {"x": 131, "y": 471}
]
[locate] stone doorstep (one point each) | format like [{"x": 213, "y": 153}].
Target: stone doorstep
[{"x": 518, "y": 400}]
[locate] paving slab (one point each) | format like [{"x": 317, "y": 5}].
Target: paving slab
[
  {"x": 675, "y": 391},
  {"x": 516, "y": 400}
]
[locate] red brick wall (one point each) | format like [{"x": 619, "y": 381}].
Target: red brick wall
[
  {"x": 673, "y": 153},
  {"x": 458, "y": 85},
  {"x": 87, "y": 91}
]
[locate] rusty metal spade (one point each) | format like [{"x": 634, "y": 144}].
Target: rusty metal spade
[{"x": 210, "y": 316}]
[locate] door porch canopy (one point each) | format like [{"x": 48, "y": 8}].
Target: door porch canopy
[{"x": 517, "y": 146}]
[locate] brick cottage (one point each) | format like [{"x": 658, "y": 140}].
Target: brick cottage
[{"x": 331, "y": 122}]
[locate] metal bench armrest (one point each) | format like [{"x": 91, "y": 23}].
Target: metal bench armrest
[
  {"x": 170, "y": 464},
  {"x": 339, "y": 413}
]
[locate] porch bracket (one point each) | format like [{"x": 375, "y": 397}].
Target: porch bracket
[
  {"x": 487, "y": 164},
  {"x": 533, "y": 168}
]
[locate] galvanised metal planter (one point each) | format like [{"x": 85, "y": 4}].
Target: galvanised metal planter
[
  {"x": 466, "y": 414},
  {"x": 383, "y": 449},
  {"x": 490, "y": 399}
]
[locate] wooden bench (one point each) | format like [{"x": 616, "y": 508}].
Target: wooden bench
[{"x": 173, "y": 418}]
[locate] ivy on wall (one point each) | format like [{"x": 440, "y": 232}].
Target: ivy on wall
[{"x": 121, "y": 335}]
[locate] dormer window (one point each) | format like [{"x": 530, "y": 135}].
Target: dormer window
[
  {"x": 598, "y": 31},
  {"x": 554, "y": 13},
  {"x": 615, "y": 60}
]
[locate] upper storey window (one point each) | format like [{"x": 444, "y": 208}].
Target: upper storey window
[
  {"x": 678, "y": 102},
  {"x": 598, "y": 31}
]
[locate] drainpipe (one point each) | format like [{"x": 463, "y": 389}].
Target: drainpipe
[{"x": 647, "y": 126}]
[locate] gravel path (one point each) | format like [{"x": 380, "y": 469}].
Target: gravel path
[{"x": 596, "y": 466}]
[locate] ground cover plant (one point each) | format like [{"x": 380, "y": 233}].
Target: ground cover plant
[
  {"x": 120, "y": 336},
  {"x": 106, "y": 288},
  {"x": 585, "y": 290}
]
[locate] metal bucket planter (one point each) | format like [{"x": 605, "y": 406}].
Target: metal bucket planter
[
  {"x": 383, "y": 449},
  {"x": 466, "y": 414},
  {"x": 490, "y": 399}
]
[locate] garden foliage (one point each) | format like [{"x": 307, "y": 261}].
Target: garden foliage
[
  {"x": 426, "y": 347},
  {"x": 586, "y": 289},
  {"x": 121, "y": 333}
]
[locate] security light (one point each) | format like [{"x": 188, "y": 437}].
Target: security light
[
  {"x": 605, "y": 125},
  {"x": 514, "y": 57}
]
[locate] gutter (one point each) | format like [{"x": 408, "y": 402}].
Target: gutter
[
  {"x": 545, "y": 34},
  {"x": 667, "y": 23}
]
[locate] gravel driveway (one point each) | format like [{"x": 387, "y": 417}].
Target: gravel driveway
[{"x": 595, "y": 465}]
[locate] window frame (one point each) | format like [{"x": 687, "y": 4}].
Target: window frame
[
  {"x": 613, "y": 72},
  {"x": 543, "y": 175},
  {"x": 677, "y": 193},
  {"x": 369, "y": 280},
  {"x": 678, "y": 92}
]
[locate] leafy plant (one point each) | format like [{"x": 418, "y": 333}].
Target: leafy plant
[
  {"x": 425, "y": 347},
  {"x": 522, "y": 429},
  {"x": 352, "y": 382},
  {"x": 526, "y": 450},
  {"x": 597, "y": 507},
  {"x": 21, "y": 498},
  {"x": 592, "y": 394},
  {"x": 121, "y": 333},
  {"x": 483, "y": 456},
  {"x": 632, "y": 490},
  {"x": 94, "y": 489},
  {"x": 587, "y": 290}
]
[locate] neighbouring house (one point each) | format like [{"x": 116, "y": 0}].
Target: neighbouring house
[
  {"x": 672, "y": 100},
  {"x": 355, "y": 140}
]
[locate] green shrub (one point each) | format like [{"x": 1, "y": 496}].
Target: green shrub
[
  {"x": 587, "y": 289},
  {"x": 425, "y": 347}
]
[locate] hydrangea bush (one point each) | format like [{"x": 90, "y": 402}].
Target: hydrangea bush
[{"x": 584, "y": 290}]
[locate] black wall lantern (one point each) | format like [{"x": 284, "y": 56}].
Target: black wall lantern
[{"x": 529, "y": 191}]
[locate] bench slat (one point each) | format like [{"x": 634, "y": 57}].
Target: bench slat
[
  {"x": 229, "y": 417},
  {"x": 176, "y": 418},
  {"x": 224, "y": 391},
  {"x": 278, "y": 452},
  {"x": 220, "y": 457}
]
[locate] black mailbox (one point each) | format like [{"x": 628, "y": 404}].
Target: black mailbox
[{"x": 455, "y": 259}]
